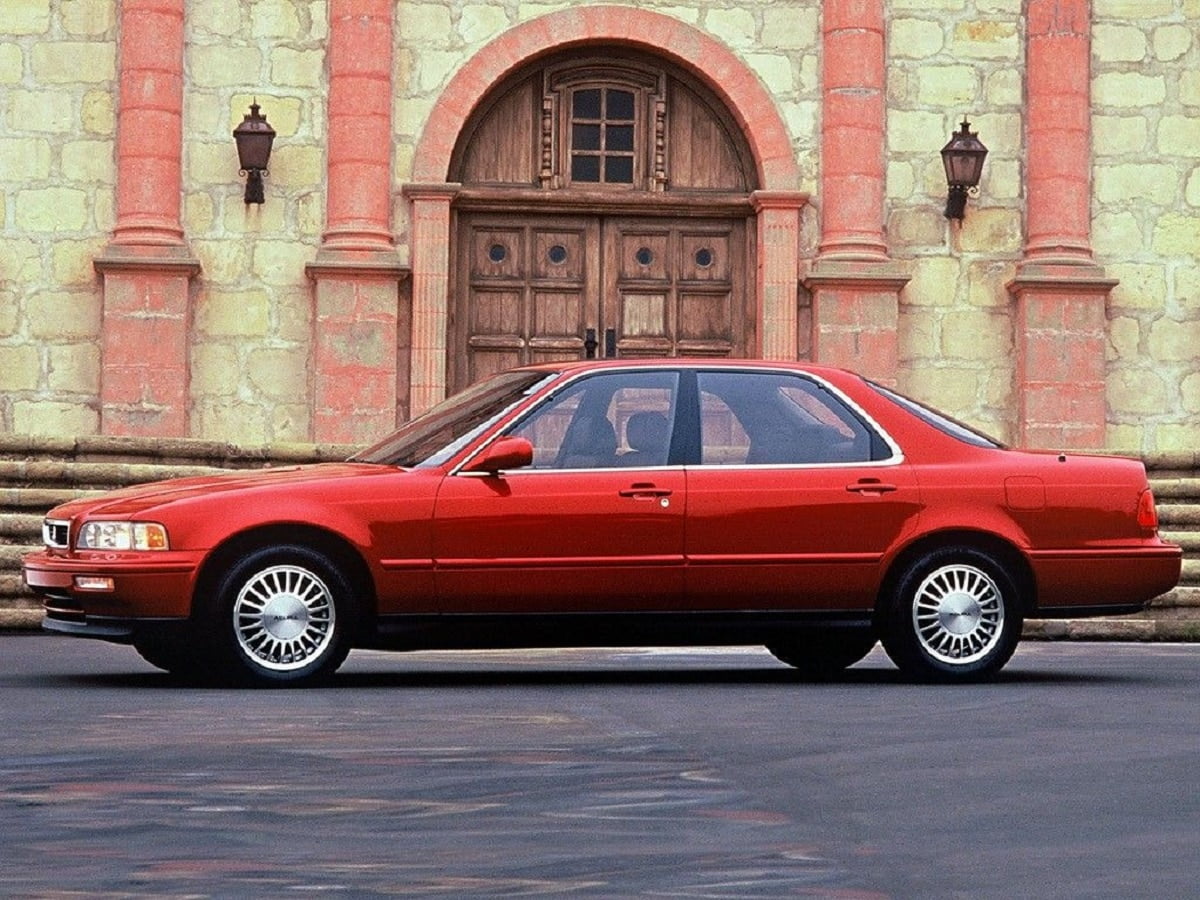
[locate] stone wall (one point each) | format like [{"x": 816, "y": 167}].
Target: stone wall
[{"x": 253, "y": 319}]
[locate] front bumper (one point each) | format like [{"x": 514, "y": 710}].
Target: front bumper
[{"x": 136, "y": 585}]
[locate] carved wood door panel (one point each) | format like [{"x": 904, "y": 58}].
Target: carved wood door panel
[{"x": 544, "y": 288}]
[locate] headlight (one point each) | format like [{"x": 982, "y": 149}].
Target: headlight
[{"x": 122, "y": 536}]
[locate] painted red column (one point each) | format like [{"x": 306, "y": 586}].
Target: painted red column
[
  {"x": 778, "y": 270},
  {"x": 146, "y": 266},
  {"x": 855, "y": 286},
  {"x": 1060, "y": 293},
  {"x": 357, "y": 272},
  {"x": 430, "y": 288}
]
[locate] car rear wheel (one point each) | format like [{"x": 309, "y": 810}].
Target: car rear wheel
[
  {"x": 954, "y": 616},
  {"x": 824, "y": 654},
  {"x": 283, "y": 617}
]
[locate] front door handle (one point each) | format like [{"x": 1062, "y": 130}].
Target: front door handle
[
  {"x": 610, "y": 343},
  {"x": 871, "y": 487},
  {"x": 645, "y": 492}
]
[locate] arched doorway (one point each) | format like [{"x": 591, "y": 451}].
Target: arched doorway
[{"x": 605, "y": 210}]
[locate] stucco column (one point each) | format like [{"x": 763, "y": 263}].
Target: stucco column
[
  {"x": 430, "y": 287},
  {"x": 855, "y": 286},
  {"x": 1060, "y": 293},
  {"x": 146, "y": 266},
  {"x": 778, "y": 270},
  {"x": 357, "y": 272}
]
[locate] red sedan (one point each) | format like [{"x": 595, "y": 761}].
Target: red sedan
[{"x": 619, "y": 503}]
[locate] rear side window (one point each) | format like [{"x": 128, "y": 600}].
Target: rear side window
[{"x": 775, "y": 418}]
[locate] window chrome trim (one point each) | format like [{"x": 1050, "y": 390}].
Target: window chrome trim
[{"x": 897, "y": 458}]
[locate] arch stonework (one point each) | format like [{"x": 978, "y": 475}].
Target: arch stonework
[{"x": 778, "y": 201}]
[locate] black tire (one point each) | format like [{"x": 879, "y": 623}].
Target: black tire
[
  {"x": 282, "y": 617},
  {"x": 174, "y": 655},
  {"x": 824, "y": 654},
  {"x": 955, "y": 616}
]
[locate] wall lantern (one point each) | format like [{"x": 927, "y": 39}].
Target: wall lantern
[
  {"x": 254, "y": 137},
  {"x": 963, "y": 159}
]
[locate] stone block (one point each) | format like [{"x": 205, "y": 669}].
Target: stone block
[
  {"x": 216, "y": 370},
  {"x": 297, "y": 68},
  {"x": 1155, "y": 182},
  {"x": 790, "y": 28},
  {"x": 73, "y": 368},
  {"x": 259, "y": 218},
  {"x": 1004, "y": 87},
  {"x": 1142, "y": 285},
  {"x": 88, "y": 17},
  {"x": 775, "y": 70},
  {"x": 934, "y": 282},
  {"x": 949, "y": 85},
  {"x": 12, "y": 63},
  {"x": 41, "y": 111},
  {"x": 233, "y": 313},
  {"x": 62, "y": 316},
  {"x": 97, "y": 115},
  {"x": 1127, "y": 90},
  {"x": 916, "y": 228},
  {"x": 89, "y": 162},
  {"x": 986, "y": 39},
  {"x": 1136, "y": 392},
  {"x": 480, "y": 22},
  {"x": 1179, "y": 136},
  {"x": 915, "y": 38},
  {"x": 71, "y": 62},
  {"x": 993, "y": 231},
  {"x": 1132, "y": 10},
  {"x": 25, "y": 158},
  {"x": 1189, "y": 88},
  {"x": 1176, "y": 235},
  {"x": 52, "y": 210},
  {"x": 20, "y": 368},
  {"x": 1191, "y": 190},
  {"x": 27, "y": 17},
  {"x": 295, "y": 166},
  {"x": 217, "y": 17},
  {"x": 1189, "y": 393},
  {"x": 976, "y": 334},
  {"x": 279, "y": 373},
  {"x": 1116, "y": 234},
  {"x": 1171, "y": 42},
  {"x": 1174, "y": 341},
  {"x": 1112, "y": 43},
  {"x": 280, "y": 262},
  {"x": 1119, "y": 135},
  {"x": 909, "y": 131},
  {"x": 735, "y": 27},
  {"x": 222, "y": 65},
  {"x": 55, "y": 418},
  {"x": 274, "y": 20}
]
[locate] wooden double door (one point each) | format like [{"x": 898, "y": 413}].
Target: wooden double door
[{"x": 532, "y": 289}]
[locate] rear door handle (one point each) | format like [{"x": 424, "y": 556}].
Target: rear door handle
[{"x": 870, "y": 486}]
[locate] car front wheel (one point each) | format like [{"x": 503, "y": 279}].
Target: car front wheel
[
  {"x": 954, "y": 616},
  {"x": 282, "y": 617}
]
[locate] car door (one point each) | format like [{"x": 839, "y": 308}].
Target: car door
[
  {"x": 796, "y": 498},
  {"x": 594, "y": 525}
]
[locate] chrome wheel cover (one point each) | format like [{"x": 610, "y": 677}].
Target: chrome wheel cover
[
  {"x": 958, "y": 614},
  {"x": 284, "y": 618}
]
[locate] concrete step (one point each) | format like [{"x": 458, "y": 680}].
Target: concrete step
[
  {"x": 13, "y": 499},
  {"x": 57, "y": 475},
  {"x": 26, "y": 527},
  {"x": 1179, "y": 515}
]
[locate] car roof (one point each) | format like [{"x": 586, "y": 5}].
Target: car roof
[{"x": 576, "y": 366}]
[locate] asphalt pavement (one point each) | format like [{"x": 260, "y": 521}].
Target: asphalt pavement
[{"x": 602, "y": 773}]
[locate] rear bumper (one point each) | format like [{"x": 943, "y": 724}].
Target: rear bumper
[{"x": 1106, "y": 582}]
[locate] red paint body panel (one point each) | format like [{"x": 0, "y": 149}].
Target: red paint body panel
[{"x": 677, "y": 538}]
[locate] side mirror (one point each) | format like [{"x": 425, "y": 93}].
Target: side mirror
[{"x": 505, "y": 453}]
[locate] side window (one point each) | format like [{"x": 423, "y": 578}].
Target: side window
[
  {"x": 618, "y": 419},
  {"x": 767, "y": 418}
]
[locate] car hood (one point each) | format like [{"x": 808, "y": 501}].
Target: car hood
[{"x": 138, "y": 499}]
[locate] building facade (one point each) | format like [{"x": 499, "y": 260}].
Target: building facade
[{"x": 456, "y": 187}]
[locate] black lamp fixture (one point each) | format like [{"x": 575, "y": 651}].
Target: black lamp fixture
[
  {"x": 254, "y": 138},
  {"x": 963, "y": 158}
]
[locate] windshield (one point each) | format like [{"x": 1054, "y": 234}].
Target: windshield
[
  {"x": 940, "y": 421},
  {"x": 431, "y": 439}
]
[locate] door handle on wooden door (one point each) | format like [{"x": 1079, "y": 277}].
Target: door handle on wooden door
[
  {"x": 610, "y": 343},
  {"x": 590, "y": 344}
]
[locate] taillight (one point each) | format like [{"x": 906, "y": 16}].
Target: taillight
[{"x": 1147, "y": 515}]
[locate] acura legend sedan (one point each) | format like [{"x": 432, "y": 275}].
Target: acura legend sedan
[{"x": 615, "y": 504}]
